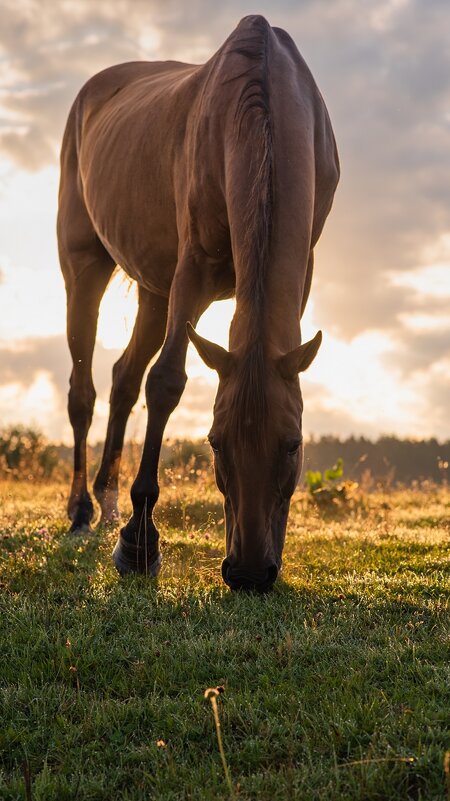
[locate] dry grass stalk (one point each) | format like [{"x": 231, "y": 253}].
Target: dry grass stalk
[{"x": 212, "y": 693}]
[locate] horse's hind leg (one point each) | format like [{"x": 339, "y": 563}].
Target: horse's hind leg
[
  {"x": 87, "y": 268},
  {"x": 147, "y": 338},
  {"x": 83, "y": 301}
]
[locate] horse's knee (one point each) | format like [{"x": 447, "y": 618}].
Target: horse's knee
[
  {"x": 164, "y": 387},
  {"x": 80, "y": 405}
]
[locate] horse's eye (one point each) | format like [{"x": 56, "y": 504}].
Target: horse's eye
[
  {"x": 293, "y": 447},
  {"x": 214, "y": 444}
]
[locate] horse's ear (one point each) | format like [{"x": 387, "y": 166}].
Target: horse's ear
[
  {"x": 299, "y": 359},
  {"x": 213, "y": 355}
]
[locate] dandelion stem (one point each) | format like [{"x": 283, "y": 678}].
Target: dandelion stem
[{"x": 211, "y": 694}]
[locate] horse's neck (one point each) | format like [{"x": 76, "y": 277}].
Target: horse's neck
[{"x": 277, "y": 324}]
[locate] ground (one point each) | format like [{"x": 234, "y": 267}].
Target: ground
[{"x": 335, "y": 686}]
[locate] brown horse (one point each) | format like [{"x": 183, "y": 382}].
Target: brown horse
[{"x": 202, "y": 182}]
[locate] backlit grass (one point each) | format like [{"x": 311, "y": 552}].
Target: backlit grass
[{"x": 336, "y": 685}]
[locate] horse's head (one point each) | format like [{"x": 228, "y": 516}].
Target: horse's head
[{"x": 256, "y": 437}]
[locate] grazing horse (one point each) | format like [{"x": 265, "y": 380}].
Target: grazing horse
[{"x": 203, "y": 182}]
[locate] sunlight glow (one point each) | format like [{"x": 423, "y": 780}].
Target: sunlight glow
[
  {"x": 30, "y": 405},
  {"x": 117, "y": 312},
  {"x": 354, "y": 378},
  {"x": 149, "y": 41},
  {"x": 425, "y": 322},
  {"x": 214, "y": 325}
]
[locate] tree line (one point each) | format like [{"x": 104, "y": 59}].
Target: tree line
[
  {"x": 25, "y": 454},
  {"x": 388, "y": 460}
]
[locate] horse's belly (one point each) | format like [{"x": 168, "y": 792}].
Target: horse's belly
[
  {"x": 145, "y": 256},
  {"x": 137, "y": 229},
  {"x": 154, "y": 272}
]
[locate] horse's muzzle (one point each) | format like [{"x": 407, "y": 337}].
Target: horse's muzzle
[{"x": 259, "y": 581}]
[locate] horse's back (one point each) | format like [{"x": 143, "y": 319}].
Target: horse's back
[{"x": 121, "y": 143}]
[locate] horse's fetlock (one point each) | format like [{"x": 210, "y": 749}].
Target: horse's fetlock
[
  {"x": 144, "y": 498},
  {"x": 80, "y": 511},
  {"x": 142, "y": 533}
]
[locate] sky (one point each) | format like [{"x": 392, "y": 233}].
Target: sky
[{"x": 381, "y": 289}]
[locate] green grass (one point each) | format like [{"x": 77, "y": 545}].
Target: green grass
[{"x": 336, "y": 685}]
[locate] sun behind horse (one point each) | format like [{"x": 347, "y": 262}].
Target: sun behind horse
[{"x": 202, "y": 182}]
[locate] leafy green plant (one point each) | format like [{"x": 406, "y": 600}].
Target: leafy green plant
[
  {"x": 315, "y": 480},
  {"x": 336, "y": 472},
  {"x": 327, "y": 489}
]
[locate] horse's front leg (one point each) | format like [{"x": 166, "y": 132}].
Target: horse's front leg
[
  {"x": 137, "y": 549},
  {"x": 147, "y": 338}
]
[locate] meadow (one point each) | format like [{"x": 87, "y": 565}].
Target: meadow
[{"x": 334, "y": 686}]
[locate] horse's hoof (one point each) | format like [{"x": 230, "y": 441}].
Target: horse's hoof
[
  {"x": 128, "y": 558},
  {"x": 83, "y": 530}
]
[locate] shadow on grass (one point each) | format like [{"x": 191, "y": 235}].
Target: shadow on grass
[{"x": 42, "y": 562}]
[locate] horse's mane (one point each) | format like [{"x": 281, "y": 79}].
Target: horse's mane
[{"x": 248, "y": 412}]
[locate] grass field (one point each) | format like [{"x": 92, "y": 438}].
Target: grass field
[{"x": 336, "y": 685}]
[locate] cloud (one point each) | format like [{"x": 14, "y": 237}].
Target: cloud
[
  {"x": 377, "y": 304},
  {"x": 28, "y": 149},
  {"x": 34, "y": 382},
  {"x": 50, "y": 53},
  {"x": 23, "y": 361},
  {"x": 321, "y": 415},
  {"x": 436, "y": 393},
  {"x": 419, "y": 350},
  {"x": 383, "y": 70},
  {"x": 390, "y": 95}
]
